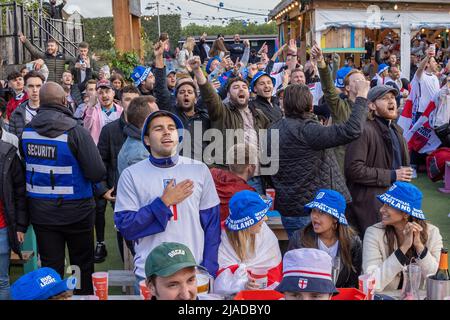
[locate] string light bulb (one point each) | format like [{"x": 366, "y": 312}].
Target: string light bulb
[
  {"x": 446, "y": 30},
  {"x": 395, "y": 7}
]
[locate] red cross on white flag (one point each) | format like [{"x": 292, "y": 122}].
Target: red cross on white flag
[{"x": 302, "y": 283}]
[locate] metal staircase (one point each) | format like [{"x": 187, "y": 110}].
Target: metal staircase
[{"x": 38, "y": 28}]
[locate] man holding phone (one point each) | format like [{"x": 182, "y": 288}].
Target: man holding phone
[{"x": 84, "y": 67}]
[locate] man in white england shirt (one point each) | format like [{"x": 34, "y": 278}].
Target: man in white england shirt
[{"x": 168, "y": 198}]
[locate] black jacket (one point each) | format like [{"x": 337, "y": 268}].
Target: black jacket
[
  {"x": 236, "y": 50},
  {"x": 200, "y": 117},
  {"x": 13, "y": 193},
  {"x": 91, "y": 72},
  {"x": 199, "y": 50},
  {"x": 112, "y": 137},
  {"x": 52, "y": 121},
  {"x": 271, "y": 110},
  {"x": 305, "y": 161},
  {"x": 17, "y": 121},
  {"x": 347, "y": 278}
]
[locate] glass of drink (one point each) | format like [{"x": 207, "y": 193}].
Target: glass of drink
[
  {"x": 203, "y": 279},
  {"x": 260, "y": 276}
]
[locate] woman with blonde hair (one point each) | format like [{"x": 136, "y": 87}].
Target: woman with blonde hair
[
  {"x": 186, "y": 53},
  {"x": 248, "y": 246},
  {"x": 402, "y": 235}
]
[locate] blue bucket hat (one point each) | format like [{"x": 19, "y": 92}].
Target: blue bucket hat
[
  {"x": 178, "y": 124},
  {"x": 210, "y": 61},
  {"x": 340, "y": 76},
  {"x": 405, "y": 197},
  {"x": 258, "y": 75},
  {"x": 331, "y": 202},
  {"x": 41, "y": 284},
  {"x": 382, "y": 67},
  {"x": 247, "y": 208},
  {"x": 307, "y": 270},
  {"x": 140, "y": 73}
]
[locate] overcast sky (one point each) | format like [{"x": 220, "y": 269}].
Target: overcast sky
[{"x": 102, "y": 8}]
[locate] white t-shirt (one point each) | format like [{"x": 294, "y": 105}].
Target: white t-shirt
[
  {"x": 429, "y": 87},
  {"x": 143, "y": 182},
  {"x": 30, "y": 113},
  {"x": 332, "y": 251},
  {"x": 109, "y": 118}
]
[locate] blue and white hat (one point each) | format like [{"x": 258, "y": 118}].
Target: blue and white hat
[
  {"x": 258, "y": 75},
  {"x": 41, "y": 284},
  {"x": 307, "y": 270},
  {"x": 405, "y": 197},
  {"x": 340, "y": 76},
  {"x": 382, "y": 67},
  {"x": 140, "y": 74},
  {"x": 331, "y": 202},
  {"x": 247, "y": 208}
]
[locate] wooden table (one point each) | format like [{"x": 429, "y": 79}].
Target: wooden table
[{"x": 276, "y": 226}]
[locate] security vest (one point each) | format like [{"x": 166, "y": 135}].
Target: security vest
[{"x": 52, "y": 171}]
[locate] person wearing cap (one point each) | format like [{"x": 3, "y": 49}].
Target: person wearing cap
[
  {"x": 171, "y": 80},
  {"x": 402, "y": 235},
  {"x": 329, "y": 231},
  {"x": 263, "y": 86},
  {"x": 339, "y": 95},
  {"x": 381, "y": 77},
  {"x": 144, "y": 80},
  {"x": 307, "y": 275},
  {"x": 305, "y": 160},
  {"x": 185, "y": 107},
  {"x": 232, "y": 115},
  {"x": 43, "y": 284},
  {"x": 378, "y": 158},
  {"x": 247, "y": 243},
  {"x": 62, "y": 163},
  {"x": 112, "y": 137},
  {"x": 101, "y": 110},
  {"x": 168, "y": 197},
  {"x": 170, "y": 271}
]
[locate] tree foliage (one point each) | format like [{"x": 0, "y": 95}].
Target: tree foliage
[{"x": 233, "y": 27}]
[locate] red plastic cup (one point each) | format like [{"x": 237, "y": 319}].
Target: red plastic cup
[
  {"x": 367, "y": 285},
  {"x": 260, "y": 277},
  {"x": 100, "y": 284},
  {"x": 145, "y": 291},
  {"x": 271, "y": 194}
]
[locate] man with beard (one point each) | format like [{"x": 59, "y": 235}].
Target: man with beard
[
  {"x": 144, "y": 80},
  {"x": 376, "y": 159},
  {"x": 184, "y": 107},
  {"x": 98, "y": 114},
  {"x": 62, "y": 163},
  {"x": 237, "y": 114},
  {"x": 56, "y": 61},
  {"x": 262, "y": 84}
]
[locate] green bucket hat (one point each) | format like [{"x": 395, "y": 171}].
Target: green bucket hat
[{"x": 167, "y": 259}]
